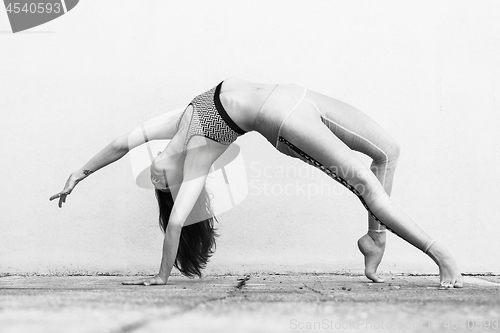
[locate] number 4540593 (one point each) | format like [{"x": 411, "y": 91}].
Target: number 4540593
[{"x": 33, "y": 8}]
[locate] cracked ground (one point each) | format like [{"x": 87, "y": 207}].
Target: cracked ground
[{"x": 247, "y": 303}]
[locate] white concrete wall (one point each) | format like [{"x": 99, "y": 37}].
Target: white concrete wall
[{"x": 427, "y": 71}]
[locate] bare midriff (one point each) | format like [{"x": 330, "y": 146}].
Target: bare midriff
[{"x": 243, "y": 100}]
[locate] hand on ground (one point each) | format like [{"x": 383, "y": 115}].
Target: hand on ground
[{"x": 155, "y": 280}]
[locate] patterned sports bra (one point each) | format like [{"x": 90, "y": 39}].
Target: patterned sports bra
[{"x": 209, "y": 119}]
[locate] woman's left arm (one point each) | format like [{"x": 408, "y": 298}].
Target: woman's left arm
[{"x": 196, "y": 168}]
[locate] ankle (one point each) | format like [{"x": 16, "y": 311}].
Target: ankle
[
  {"x": 437, "y": 253},
  {"x": 378, "y": 237}
]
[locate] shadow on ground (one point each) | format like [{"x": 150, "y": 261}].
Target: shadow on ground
[{"x": 252, "y": 303}]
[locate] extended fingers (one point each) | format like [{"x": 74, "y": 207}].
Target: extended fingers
[
  {"x": 62, "y": 197},
  {"x": 134, "y": 282},
  {"x": 139, "y": 281},
  {"x": 143, "y": 282}
]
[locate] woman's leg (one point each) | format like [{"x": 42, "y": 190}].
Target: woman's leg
[
  {"x": 360, "y": 133},
  {"x": 306, "y": 137}
]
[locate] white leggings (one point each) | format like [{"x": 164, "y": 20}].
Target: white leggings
[{"x": 323, "y": 132}]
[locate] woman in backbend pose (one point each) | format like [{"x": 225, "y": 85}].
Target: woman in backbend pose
[{"x": 317, "y": 129}]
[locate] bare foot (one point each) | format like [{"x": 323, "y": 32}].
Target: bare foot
[
  {"x": 449, "y": 274},
  {"x": 372, "y": 245}
]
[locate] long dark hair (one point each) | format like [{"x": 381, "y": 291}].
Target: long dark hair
[{"x": 197, "y": 241}]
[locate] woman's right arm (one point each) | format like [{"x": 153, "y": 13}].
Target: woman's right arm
[
  {"x": 162, "y": 127},
  {"x": 112, "y": 152}
]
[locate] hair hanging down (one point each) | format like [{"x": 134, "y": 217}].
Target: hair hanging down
[{"x": 197, "y": 241}]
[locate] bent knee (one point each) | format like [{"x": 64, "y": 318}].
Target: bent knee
[
  {"x": 391, "y": 152},
  {"x": 394, "y": 151}
]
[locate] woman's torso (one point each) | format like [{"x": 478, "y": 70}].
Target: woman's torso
[{"x": 241, "y": 100}]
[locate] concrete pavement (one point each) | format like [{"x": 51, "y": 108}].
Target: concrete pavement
[{"x": 257, "y": 302}]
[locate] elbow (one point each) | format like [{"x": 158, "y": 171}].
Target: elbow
[{"x": 119, "y": 145}]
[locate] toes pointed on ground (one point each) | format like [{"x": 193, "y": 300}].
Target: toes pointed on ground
[
  {"x": 374, "y": 277},
  {"x": 446, "y": 285}
]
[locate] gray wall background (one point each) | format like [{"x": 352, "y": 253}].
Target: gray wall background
[{"x": 427, "y": 71}]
